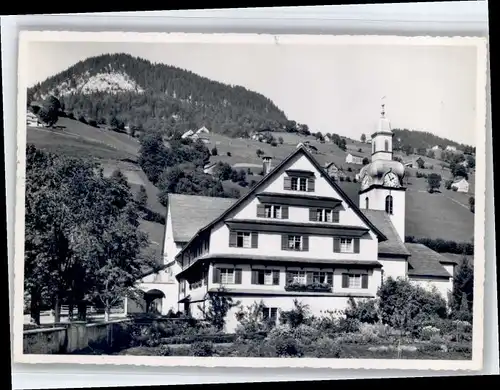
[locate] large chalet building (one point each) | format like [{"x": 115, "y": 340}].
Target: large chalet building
[{"x": 295, "y": 235}]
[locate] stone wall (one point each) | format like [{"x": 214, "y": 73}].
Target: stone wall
[{"x": 71, "y": 337}]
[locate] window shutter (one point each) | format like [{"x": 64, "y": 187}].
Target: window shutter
[
  {"x": 255, "y": 240},
  {"x": 287, "y": 183},
  {"x": 336, "y": 244},
  {"x": 237, "y": 276},
  {"x": 335, "y": 216},
  {"x": 329, "y": 278},
  {"x": 310, "y": 184},
  {"x": 345, "y": 280},
  {"x": 232, "y": 239},
  {"x": 356, "y": 245},
  {"x": 276, "y": 278},
  {"x": 216, "y": 275},
  {"x": 305, "y": 243},
  {"x": 289, "y": 277},
  {"x": 255, "y": 276},
  {"x": 284, "y": 242},
  {"x": 312, "y": 214},
  {"x": 284, "y": 212},
  {"x": 309, "y": 278},
  {"x": 364, "y": 281},
  {"x": 261, "y": 211}
]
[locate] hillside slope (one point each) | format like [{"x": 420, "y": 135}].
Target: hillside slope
[{"x": 157, "y": 97}]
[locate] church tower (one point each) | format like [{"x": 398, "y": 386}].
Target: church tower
[{"x": 382, "y": 179}]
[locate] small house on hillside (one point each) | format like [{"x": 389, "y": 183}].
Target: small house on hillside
[
  {"x": 451, "y": 148},
  {"x": 327, "y": 138},
  {"x": 202, "y": 130},
  {"x": 461, "y": 184},
  {"x": 32, "y": 120},
  {"x": 352, "y": 158},
  {"x": 209, "y": 168},
  {"x": 202, "y": 137},
  {"x": 436, "y": 147},
  {"x": 187, "y": 134}
]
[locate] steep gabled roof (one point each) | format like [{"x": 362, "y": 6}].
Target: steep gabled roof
[
  {"x": 425, "y": 262},
  {"x": 190, "y": 213},
  {"x": 393, "y": 245},
  {"x": 303, "y": 150}
]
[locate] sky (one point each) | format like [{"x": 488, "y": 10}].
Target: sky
[{"x": 331, "y": 88}]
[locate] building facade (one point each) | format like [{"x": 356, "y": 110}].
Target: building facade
[{"x": 297, "y": 235}]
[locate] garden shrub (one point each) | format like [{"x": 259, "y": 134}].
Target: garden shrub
[
  {"x": 287, "y": 347},
  {"x": 252, "y": 348},
  {"x": 428, "y": 331},
  {"x": 164, "y": 350},
  {"x": 202, "y": 348},
  {"x": 362, "y": 310},
  {"x": 325, "y": 347}
]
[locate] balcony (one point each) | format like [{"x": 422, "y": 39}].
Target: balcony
[{"x": 310, "y": 287}]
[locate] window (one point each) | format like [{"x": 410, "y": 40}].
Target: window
[
  {"x": 367, "y": 203},
  {"x": 227, "y": 276},
  {"x": 323, "y": 277},
  {"x": 324, "y": 215},
  {"x": 266, "y": 277},
  {"x": 299, "y": 184},
  {"x": 346, "y": 245},
  {"x": 272, "y": 211},
  {"x": 354, "y": 281},
  {"x": 386, "y": 145},
  {"x": 270, "y": 314},
  {"x": 299, "y": 277},
  {"x": 388, "y": 204},
  {"x": 295, "y": 243},
  {"x": 243, "y": 240}
]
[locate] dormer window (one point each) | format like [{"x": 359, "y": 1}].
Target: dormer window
[
  {"x": 299, "y": 180},
  {"x": 299, "y": 184}
]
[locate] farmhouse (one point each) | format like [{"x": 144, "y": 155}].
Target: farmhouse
[
  {"x": 32, "y": 120},
  {"x": 451, "y": 148},
  {"x": 436, "y": 147},
  {"x": 460, "y": 184},
  {"x": 295, "y": 235},
  {"x": 334, "y": 171},
  {"x": 354, "y": 159}
]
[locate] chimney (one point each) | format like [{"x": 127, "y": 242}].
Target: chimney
[{"x": 266, "y": 165}]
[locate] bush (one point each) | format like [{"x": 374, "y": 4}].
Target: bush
[
  {"x": 228, "y": 154},
  {"x": 325, "y": 347},
  {"x": 363, "y": 310},
  {"x": 428, "y": 331},
  {"x": 164, "y": 350},
  {"x": 214, "y": 151},
  {"x": 202, "y": 348},
  {"x": 287, "y": 347},
  {"x": 454, "y": 189},
  {"x": 274, "y": 143}
]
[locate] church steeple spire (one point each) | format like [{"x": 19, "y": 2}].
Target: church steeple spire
[
  {"x": 382, "y": 112},
  {"x": 382, "y": 137}
]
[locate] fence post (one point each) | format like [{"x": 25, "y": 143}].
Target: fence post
[{"x": 77, "y": 336}]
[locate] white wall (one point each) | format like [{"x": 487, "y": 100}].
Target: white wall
[
  {"x": 376, "y": 198},
  {"x": 169, "y": 302},
  {"x": 443, "y": 286},
  {"x": 394, "y": 267},
  {"x": 379, "y": 142},
  {"x": 318, "y": 306}
]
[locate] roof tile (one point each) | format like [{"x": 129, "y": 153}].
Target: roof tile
[
  {"x": 393, "y": 245},
  {"x": 425, "y": 262},
  {"x": 190, "y": 213}
]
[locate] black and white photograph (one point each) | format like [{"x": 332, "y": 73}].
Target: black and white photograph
[{"x": 253, "y": 199}]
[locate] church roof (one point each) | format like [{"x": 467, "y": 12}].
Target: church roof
[
  {"x": 425, "y": 262},
  {"x": 393, "y": 245},
  {"x": 190, "y": 213}
]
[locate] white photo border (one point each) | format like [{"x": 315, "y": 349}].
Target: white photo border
[{"x": 475, "y": 364}]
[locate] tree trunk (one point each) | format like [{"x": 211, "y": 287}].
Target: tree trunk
[
  {"x": 57, "y": 310},
  {"x": 82, "y": 311},
  {"x": 106, "y": 311},
  {"x": 35, "y": 306}
]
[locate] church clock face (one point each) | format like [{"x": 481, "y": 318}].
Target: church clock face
[{"x": 391, "y": 180}]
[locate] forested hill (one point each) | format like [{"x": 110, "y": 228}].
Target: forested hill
[
  {"x": 423, "y": 140},
  {"x": 157, "y": 96}
]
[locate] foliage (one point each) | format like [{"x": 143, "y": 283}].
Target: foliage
[
  {"x": 447, "y": 184},
  {"x": 443, "y": 246},
  {"x": 363, "y": 137},
  {"x": 423, "y": 139},
  {"x": 463, "y": 291},
  {"x": 364, "y": 311},
  {"x": 173, "y": 100},
  {"x": 251, "y": 319},
  {"x": 219, "y": 306},
  {"x": 296, "y": 316},
  {"x": 472, "y": 204},
  {"x": 214, "y": 151},
  {"x": 82, "y": 240},
  {"x": 420, "y": 163},
  {"x": 434, "y": 182},
  {"x": 222, "y": 171},
  {"x": 405, "y": 306},
  {"x": 202, "y": 348},
  {"x": 318, "y": 287},
  {"x": 142, "y": 197},
  {"x": 366, "y": 161}
]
